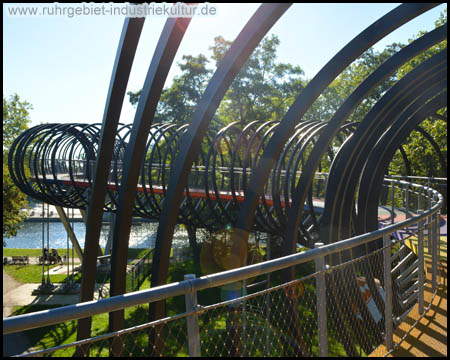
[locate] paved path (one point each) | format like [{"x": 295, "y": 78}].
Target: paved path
[
  {"x": 8, "y": 284},
  {"x": 16, "y": 343},
  {"x": 17, "y": 294}
]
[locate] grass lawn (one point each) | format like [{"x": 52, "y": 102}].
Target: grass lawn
[
  {"x": 64, "y": 333},
  {"x": 175, "y": 339},
  {"x": 132, "y": 253},
  {"x": 33, "y": 273}
]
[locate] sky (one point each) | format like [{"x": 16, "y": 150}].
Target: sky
[{"x": 62, "y": 66}]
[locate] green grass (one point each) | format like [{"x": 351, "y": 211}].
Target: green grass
[
  {"x": 175, "y": 340},
  {"x": 33, "y": 252},
  {"x": 33, "y": 274},
  {"x": 132, "y": 253}
]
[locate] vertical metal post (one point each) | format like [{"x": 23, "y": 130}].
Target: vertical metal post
[
  {"x": 244, "y": 317},
  {"x": 43, "y": 245},
  {"x": 421, "y": 266},
  {"x": 269, "y": 299},
  {"x": 438, "y": 234},
  {"x": 419, "y": 200},
  {"x": 192, "y": 321},
  {"x": 68, "y": 252},
  {"x": 434, "y": 255},
  {"x": 388, "y": 293},
  {"x": 73, "y": 255},
  {"x": 392, "y": 201},
  {"x": 321, "y": 305},
  {"x": 112, "y": 218},
  {"x": 407, "y": 201},
  {"x": 48, "y": 246},
  {"x": 430, "y": 219}
]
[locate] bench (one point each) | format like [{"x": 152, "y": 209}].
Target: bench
[
  {"x": 21, "y": 260},
  {"x": 53, "y": 259}
]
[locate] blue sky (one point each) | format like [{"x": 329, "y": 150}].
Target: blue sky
[{"x": 63, "y": 66}]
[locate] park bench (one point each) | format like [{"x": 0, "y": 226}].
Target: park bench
[
  {"x": 52, "y": 258},
  {"x": 21, "y": 260}
]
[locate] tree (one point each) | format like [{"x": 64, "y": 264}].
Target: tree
[
  {"x": 423, "y": 158},
  {"x": 263, "y": 89},
  {"x": 15, "y": 121},
  {"x": 13, "y": 201},
  {"x": 177, "y": 103}
]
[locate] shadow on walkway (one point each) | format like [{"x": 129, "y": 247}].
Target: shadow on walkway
[{"x": 429, "y": 337}]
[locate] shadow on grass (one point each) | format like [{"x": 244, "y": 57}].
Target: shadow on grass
[{"x": 48, "y": 336}]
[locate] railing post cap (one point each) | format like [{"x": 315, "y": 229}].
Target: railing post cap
[{"x": 318, "y": 244}]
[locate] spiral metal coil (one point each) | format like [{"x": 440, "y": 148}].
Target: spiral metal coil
[{"x": 55, "y": 163}]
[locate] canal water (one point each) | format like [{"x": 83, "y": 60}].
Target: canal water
[{"x": 142, "y": 235}]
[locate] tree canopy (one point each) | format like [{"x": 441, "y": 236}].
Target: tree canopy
[
  {"x": 15, "y": 121},
  {"x": 264, "y": 90}
]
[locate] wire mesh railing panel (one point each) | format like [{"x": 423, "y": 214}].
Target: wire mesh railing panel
[
  {"x": 279, "y": 322},
  {"x": 367, "y": 291},
  {"x": 163, "y": 338},
  {"x": 355, "y": 305}
]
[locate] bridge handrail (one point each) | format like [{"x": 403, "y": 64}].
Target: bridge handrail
[
  {"x": 87, "y": 309},
  {"x": 405, "y": 177}
]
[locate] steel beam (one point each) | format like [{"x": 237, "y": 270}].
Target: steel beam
[
  {"x": 166, "y": 49},
  {"x": 250, "y": 36},
  {"x": 119, "y": 79}
]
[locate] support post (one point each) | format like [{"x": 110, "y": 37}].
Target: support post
[
  {"x": 76, "y": 245},
  {"x": 434, "y": 255},
  {"x": 388, "y": 293},
  {"x": 192, "y": 321},
  {"x": 430, "y": 219},
  {"x": 84, "y": 216},
  {"x": 269, "y": 299},
  {"x": 321, "y": 305},
  {"x": 421, "y": 266},
  {"x": 49, "y": 283},
  {"x": 419, "y": 200},
  {"x": 438, "y": 234},
  {"x": 407, "y": 201},
  {"x": 393, "y": 201},
  {"x": 112, "y": 218},
  {"x": 44, "y": 255}
]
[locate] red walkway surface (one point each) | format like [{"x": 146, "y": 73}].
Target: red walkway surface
[{"x": 193, "y": 193}]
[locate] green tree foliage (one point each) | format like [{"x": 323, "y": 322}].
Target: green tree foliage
[
  {"x": 13, "y": 201},
  {"x": 264, "y": 90},
  {"x": 423, "y": 158},
  {"x": 15, "y": 121},
  {"x": 177, "y": 103}
]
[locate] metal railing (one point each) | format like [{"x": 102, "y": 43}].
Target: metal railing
[
  {"x": 436, "y": 183},
  {"x": 139, "y": 271},
  {"x": 321, "y": 313}
]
